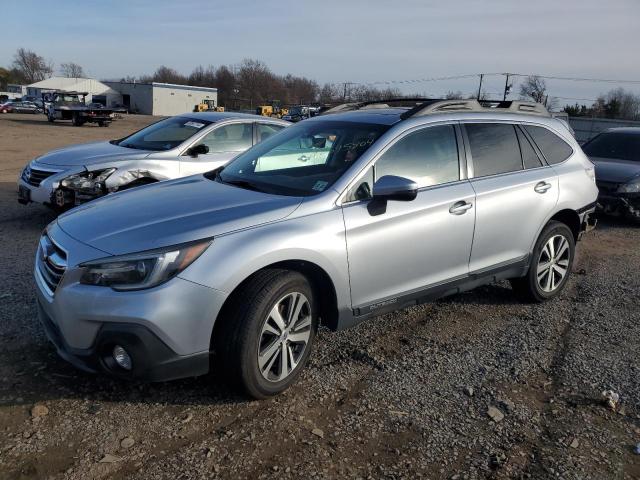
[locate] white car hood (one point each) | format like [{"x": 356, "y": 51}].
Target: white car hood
[{"x": 89, "y": 154}]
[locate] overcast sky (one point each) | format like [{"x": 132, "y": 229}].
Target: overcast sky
[{"x": 340, "y": 41}]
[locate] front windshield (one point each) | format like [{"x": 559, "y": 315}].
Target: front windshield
[
  {"x": 617, "y": 145},
  {"x": 302, "y": 160},
  {"x": 165, "y": 134}
]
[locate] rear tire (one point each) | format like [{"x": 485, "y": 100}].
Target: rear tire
[
  {"x": 550, "y": 265},
  {"x": 274, "y": 313}
]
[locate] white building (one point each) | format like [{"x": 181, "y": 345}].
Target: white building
[
  {"x": 162, "y": 98},
  {"x": 98, "y": 92}
]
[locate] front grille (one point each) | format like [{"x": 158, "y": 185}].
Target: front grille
[
  {"x": 51, "y": 263},
  {"x": 607, "y": 187},
  {"x": 34, "y": 176}
]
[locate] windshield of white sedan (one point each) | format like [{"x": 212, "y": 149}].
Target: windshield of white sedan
[
  {"x": 618, "y": 145},
  {"x": 165, "y": 134},
  {"x": 302, "y": 160}
]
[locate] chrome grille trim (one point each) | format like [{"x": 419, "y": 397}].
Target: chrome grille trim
[
  {"x": 34, "y": 175},
  {"x": 51, "y": 263}
]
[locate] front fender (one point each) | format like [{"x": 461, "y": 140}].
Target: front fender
[{"x": 317, "y": 238}]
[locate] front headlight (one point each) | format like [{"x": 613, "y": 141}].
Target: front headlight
[
  {"x": 631, "y": 187},
  {"x": 141, "y": 270},
  {"x": 88, "y": 181}
]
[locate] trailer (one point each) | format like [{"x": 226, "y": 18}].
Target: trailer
[{"x": 61, "y": 105}]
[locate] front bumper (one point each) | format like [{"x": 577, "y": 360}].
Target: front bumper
[
  {"x": 45, "y": 190},
  {"x": 166, "y": 329},
  {"x": 152, "y": 359}
]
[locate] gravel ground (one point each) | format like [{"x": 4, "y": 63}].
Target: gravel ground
[{"x": 474, "y": 386}]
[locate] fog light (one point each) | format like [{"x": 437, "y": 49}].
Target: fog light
[{"x": 121, "y": 357}]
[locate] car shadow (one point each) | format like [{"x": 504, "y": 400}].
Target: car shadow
[{"x": 46, "y": 376}]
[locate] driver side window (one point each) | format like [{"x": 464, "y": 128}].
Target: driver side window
[
  {"x": 428, "y": 156},
  {"x": 235, "y": 137}
]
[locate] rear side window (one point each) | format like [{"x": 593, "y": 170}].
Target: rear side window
[
  {"x": 554, "y": 149},
  {"x": 235, "y": 137},
  {"x": 266, "y": 130},
  {"x": 494, "y": 148},
  {"x": 529, "y": 156},
  {"x": 428, "y": 157}
]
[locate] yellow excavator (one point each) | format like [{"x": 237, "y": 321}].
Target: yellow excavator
[
  {"x": 207, "y": 105},
  {"x": 273, "y": 110}
]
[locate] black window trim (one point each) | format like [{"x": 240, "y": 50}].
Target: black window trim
[
  {"x": 539, "y": 150},
  {"x": 462, "y": 160},
  {"x": 536, "y": 150},
  {"x": 467, "y": 146}
]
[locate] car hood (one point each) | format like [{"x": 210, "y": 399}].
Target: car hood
[
  {"x": 615, "y": 171},
  {"x": 170, "y": 213},
  {"x": 89, "y": 154}
]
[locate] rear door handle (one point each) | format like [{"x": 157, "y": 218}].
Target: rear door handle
[
  {"x": 542, "y": 187},
  {"x": 460, "y": 207},
  {"x": 304, "y": 158}
]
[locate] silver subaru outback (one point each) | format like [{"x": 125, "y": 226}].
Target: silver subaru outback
[
  {"x": 174, "y": 147},
  {"x": 334, "y": 220}
]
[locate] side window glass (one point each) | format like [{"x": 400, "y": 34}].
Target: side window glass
[
  {"x": 494, "y": 148},
  {"x": 266, "y": 130},
  {"x": 554, "y": 149},
  {"x": 529, "y": 155},
  {"x": 235, "y": 137},
  {"x": 428, "y": 157},
  {"x": 362, "y": 189}
]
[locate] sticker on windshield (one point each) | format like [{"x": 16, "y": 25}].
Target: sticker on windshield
[
  {"x": 320, "y": 185},
  {"x": 194, "y": 124}
]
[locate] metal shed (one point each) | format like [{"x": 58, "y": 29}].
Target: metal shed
[{"x": 162, "y": 99}]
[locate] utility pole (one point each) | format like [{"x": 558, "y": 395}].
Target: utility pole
[
  {"x": 507, "y": 87},
  {"x": 480, "y": 86},
  {"x": 344, "y": 91}
]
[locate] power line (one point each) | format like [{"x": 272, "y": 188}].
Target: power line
[
  {"x": 573, "y": 79},
  {"x": 476, "y": 75}
]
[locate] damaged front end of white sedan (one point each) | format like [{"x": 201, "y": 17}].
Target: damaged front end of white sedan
[{"x": 171, "y": 148}]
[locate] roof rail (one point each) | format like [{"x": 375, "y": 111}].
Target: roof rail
[
  {"x": 426, "y": 106},
  {"x": 515, "y": 106},
  {"x": 372, "y": 104},
  {"x": 518, "y": 106}
]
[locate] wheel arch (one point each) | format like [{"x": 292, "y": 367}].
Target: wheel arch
[
  {"x": 320, "y": 281},
  {"x": 570, "y": 218}
]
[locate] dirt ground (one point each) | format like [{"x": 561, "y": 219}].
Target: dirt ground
[{"x": 473, "y": 386}]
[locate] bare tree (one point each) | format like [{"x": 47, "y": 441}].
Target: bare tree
[
  {"x": 31, "y": 66},
  {"x": 534, "y": 88},
  {"x": 256, "y": 81},
  {"x": 618, "y": 103},
  {"x": 72, "y": 70},
  {"x": 225, "y": 82},
  {"x": 165, "y": 74},
  {"x": 451, "y": 95}
]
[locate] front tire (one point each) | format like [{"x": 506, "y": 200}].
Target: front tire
[
  {"x": 268, "y": 334},
  {"x": 550, "y": 265}
]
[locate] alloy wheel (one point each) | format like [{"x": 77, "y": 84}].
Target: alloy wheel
[
  {"x": 553, "y": 263},
  {"x": 284, "y": 337}
]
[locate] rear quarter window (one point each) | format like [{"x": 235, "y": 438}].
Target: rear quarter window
[
  {"x": 554, "y": 149},
  {"x": 494, "y": 148}
]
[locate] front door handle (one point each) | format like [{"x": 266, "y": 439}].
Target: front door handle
[
  {"x": 304, "y": 158},
  {"x": 459, "y": 208},
  {"x": 542, "y": 187}
]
